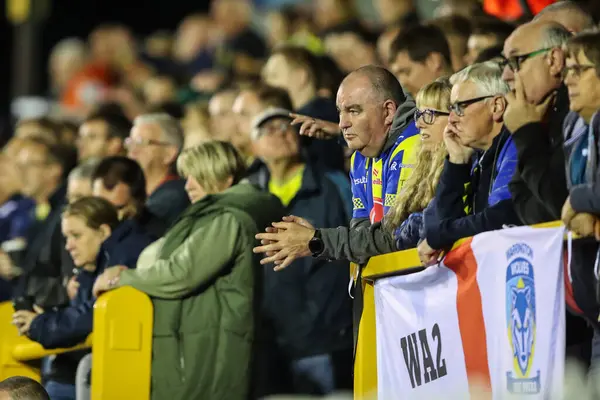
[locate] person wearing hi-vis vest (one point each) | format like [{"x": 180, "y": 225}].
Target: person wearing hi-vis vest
[{"x": 377, "y": 122}]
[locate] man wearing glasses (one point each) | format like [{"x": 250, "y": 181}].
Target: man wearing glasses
[
  {"x": 481, "y": 158},
  {"x": 536, "y": 109},
  {"x": 155, "y": 142}
]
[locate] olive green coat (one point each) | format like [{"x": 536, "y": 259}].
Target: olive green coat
[{"x": 203, "y": 277}]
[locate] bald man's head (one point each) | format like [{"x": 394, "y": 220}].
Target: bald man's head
[
  {"x": 534, "y": 52},
  {"x": 383, "y": 83},
  {"x": 567, "y": 13}
]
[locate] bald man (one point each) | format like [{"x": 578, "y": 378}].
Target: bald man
[
  {"x": 567, "y": 13},
  {"x": 533, "y": 65},
  {"x": 22, "y": 388},
  {"x": 535, "y": 116}
]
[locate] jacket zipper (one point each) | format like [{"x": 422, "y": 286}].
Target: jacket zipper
[{"x": 181, "y": 359}]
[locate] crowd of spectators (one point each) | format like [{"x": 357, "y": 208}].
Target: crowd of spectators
[{"x": 209, "y": 169}]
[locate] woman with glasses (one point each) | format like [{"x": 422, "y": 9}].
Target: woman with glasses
[{"x": 581, "y": 129}]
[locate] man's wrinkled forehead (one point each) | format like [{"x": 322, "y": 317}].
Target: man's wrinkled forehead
[
  {"x": 355, "y": 89},
  {"x": 524, "y": 39}
]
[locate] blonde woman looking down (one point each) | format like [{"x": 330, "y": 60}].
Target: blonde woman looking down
[{"x": 204, "y": 280}]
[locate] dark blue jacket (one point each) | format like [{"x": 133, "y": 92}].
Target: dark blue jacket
[
  {"x": 168, "y": 200},
  {"x": 70, "y": 325},
  {"x": 328, "y": 153},
  {"x": 308, "y": 302},
  {"x": 410, "y": 232},
  {"x": 15, "y": 218},
  {"x": 488, "y": 204}
]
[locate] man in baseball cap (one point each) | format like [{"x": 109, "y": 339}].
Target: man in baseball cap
[{"x": 307, "y": 303}]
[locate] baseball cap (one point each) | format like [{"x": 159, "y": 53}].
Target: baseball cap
[{"x": 266, "y": 116}]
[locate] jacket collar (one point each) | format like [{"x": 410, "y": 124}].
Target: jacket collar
[
  {"x": 402, "y": 118},
  {"x": 124, "y": 229}
]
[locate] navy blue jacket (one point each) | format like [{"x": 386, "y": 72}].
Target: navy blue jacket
[
  {"x": 70, "y": 325},
  {"x": 308, "y": 302},
  {"x": 16, "y": 216},
  {"x": 168, "y": 200},
  {"x": 328, "y": 153},
  {"x": 489, "y": 205}
]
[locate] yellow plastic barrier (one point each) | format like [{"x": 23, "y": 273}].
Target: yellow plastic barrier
[
  {"x": 402, "y": 262},
  {"x": 121, "y": 343}
]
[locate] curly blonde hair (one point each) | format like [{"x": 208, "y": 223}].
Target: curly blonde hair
[{"x": 419, "y": 190}]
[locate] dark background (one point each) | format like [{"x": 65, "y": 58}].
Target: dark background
[{"x": 79, "y": 17}]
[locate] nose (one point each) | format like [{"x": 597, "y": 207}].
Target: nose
[
  {"x": 568, "y": 79},
  {"x": 453, "y": 117},
  {"x": 508, "y": 74},
  {"x": 344, "y": 122},
  {"x": 69, "y": 245}
]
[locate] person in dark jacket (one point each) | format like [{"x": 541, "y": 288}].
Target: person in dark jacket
[
  {"x": 481, "y": 158},
  {"x": 581, "y": 210},
  {"x": 44, "y": 170},
  {"x": 95, "y": 239},
  {"x": 534, "y": 117},
  {"x": 308, "y": 303},
  {"x": 155, "y": 142},
  {"x": 121, "y": 181}
]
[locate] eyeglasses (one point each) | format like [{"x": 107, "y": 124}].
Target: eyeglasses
[
  {"x": 269, "y": 129},
  {"x": 576, "y": 70},
  {"x": 138, "y": 142},
  {"x": 428, "y": 115},
  {"x": 515, "y": 62},
  {"x": 459, "y": 107}
]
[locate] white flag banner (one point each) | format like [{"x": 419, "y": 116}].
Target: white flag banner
[{"x": 490, "y": 316}]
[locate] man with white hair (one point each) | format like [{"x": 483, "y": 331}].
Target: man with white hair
[
  {"x": 155, "y": 142},
  {"x": 481, "y": 158}
]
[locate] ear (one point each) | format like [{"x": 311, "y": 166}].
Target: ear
[
  {"x": 105, "y": 231},
  {"x": 171, "y": 154},
  {"x": 434, "y": 61},
  {"x": 556, "y": 61},
  {"x": 55, "y": 170},
  {"x": 228, "y": 182},
  {"x": 302, "y": 77},
  {"x": 389, "y": 111},
  {"x": 498, "y": 106}
]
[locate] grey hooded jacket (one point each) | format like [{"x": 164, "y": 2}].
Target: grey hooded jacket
[{"x": 362, "y": 240}]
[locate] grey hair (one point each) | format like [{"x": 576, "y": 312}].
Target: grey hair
[
  {"x": 487, "y": 76},
  {"x": 73, "y": 47},
  {"x": 555, "y": 35},
  {"x": 85, "y": 170},
  {"x": 568, "y": 6},
  {"x": 170, "y": 127}
]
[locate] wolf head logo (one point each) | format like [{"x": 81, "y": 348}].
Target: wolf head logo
[{"x": 522, "y": 321}]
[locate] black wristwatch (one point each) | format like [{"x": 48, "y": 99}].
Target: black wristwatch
[{"x": 316, "y": 245}]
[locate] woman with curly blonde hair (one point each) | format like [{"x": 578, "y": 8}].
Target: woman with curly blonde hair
[{"x": 431, "y": 117}]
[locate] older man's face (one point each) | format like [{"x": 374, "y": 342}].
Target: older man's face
[
  {"x": 534, "y": 70},
  {"x": 364, "y": 119},
  {"x": 476, "y": 123}
]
